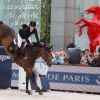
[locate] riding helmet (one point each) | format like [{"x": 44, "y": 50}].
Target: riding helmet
[{"x": 32, "y": 23}]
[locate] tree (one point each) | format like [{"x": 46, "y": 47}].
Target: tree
[{"x": 45, "y": 21}]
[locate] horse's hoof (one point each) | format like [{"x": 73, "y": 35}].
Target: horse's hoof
[
  {"x": 40, "y": 93},
  {"x": 29, "y": 93}
]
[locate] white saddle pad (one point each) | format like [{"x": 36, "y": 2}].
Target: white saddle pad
[{"x": 40, "y": 66}]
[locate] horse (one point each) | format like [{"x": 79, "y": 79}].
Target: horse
[
  {"x": 7, "y": 36},
  {"x": 93, "y": 26}
]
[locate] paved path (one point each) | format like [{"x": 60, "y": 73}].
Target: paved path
[{"x": 52, "y": 95}]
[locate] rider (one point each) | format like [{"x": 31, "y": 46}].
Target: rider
[{"x": 27, "y": 31}]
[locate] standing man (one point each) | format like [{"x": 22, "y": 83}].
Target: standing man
[{"x": 72, "y": 44}]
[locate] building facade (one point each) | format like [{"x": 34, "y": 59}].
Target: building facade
[
  {"x": 18, "y": 12},
  {"x": 63, "y": 15}
]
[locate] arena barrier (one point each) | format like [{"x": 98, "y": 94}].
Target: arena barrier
[
  {"x": 74, "y": 78},
  {"x": 5, "y": 69},
  {"x": 71, "y": 78}
]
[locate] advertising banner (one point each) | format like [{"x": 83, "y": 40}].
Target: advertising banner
[
  {"x": 5, "y": 69},
  {"x": 71, "y": 78},
  {"x": 74, "y": 78}
]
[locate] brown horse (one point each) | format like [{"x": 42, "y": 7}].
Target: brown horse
[{"x": 7, "y": 35}]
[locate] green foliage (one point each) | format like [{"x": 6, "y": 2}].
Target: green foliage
[{"x": 45, "y": 21}]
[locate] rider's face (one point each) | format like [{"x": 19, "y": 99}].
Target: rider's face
[{"x": 31, "y": 28}]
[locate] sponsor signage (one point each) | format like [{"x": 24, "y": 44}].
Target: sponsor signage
[
  {"x": 15, "y": 74},
  {"x": 5, "y": 69},
  {"x": 4, "y": 58},
  {"x": 74, "y": 78}
]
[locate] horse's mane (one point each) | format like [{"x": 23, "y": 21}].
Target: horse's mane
[
  {"x": 36, "y": 48},
  {"x": 36, "y": 51}
]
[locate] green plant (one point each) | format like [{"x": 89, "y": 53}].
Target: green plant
[{"x": 45, "y": 21}]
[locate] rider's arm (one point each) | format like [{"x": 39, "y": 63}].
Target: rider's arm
[{"x": 36, "y": 35}]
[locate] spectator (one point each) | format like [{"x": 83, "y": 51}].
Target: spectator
[
  {"x": 83, "y": 58},
  {"x": 51, "y": 52},
  {"x": 96, "y": 61},
  {"x": 90, "y": 57},
  {"x": 86, "y": 52},
  {"x": 58, "y": 59},
  {"x": 72, "y": 44},
  {"x": 63, "y": 55},
  {"x": 98, "y": 48}
]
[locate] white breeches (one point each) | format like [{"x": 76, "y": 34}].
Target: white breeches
[{"x": 20, "y": 40}]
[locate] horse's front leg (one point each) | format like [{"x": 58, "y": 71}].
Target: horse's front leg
[
  {"x": 27, "y": 82},
  {"x": 82, "y": 20},
  {"x": 36, "y": 80},
  {"x": 78, "y": 21},
  {"x": 38, "y": 83}
]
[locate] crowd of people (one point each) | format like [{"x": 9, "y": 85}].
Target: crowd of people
[
  {"x": 92, "y": 59},
  {"x": 86, "y": 58}
]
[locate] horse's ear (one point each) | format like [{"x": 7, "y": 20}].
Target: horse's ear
[{"x": 49, "y": 48}]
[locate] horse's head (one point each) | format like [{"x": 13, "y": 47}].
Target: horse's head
[
  {"x": 94, "y": 10},
  {"x": 46, "y": 55}
]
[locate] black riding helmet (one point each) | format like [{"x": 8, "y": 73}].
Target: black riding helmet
[{"x": 32, "y": 23}]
